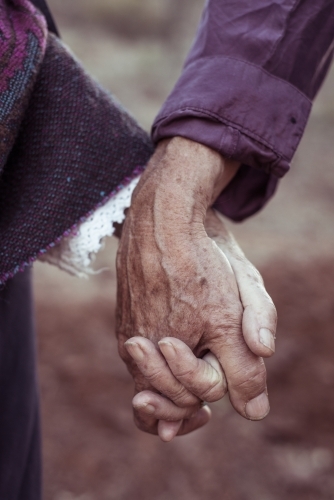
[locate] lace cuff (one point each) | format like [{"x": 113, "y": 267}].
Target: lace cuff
[{"x": 76, "y": 252}]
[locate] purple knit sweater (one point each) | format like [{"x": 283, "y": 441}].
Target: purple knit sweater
[{"x": 66, "y": 145}]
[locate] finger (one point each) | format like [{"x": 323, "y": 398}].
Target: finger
[
  {"x": 201, "y": 418},
  {"x": 146, "y": 423},
  {"x": 150, "y": 424},
  {"x": 154, "y": 405},
  {"x": 202, "y": 377},
  {"x": 245, "y": 373},
  {"x": 260, "y": 317},
  {"x": 168, "y": 430},
  {"x": 153, "y": 366}
]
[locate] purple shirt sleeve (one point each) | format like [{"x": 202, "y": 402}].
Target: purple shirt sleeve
[{"x": 247, "y": 87}]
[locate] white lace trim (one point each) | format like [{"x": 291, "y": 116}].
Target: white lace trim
[{"x": 76, "y": 253}]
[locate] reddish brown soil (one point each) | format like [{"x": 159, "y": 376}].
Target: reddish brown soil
[{"x": 93, "y": 451}]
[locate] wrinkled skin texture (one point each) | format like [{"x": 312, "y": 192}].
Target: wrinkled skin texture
[{"x": 175, "y": 282}]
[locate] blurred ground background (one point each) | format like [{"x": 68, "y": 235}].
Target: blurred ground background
[{"x": 92, "y": 451}]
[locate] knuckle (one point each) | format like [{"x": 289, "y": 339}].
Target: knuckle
[
  {"x": 183, "y": 398},
  {"x": 249, "y": 381},
  {"x": 153, "y": 376},
  {"x": 214, "y": 393},
  {"x": 229, "y": 323},
  {"x": 184, "y": 373},
  {"x": 229, "y": 337}
]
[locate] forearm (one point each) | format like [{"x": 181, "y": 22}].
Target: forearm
[{"x": 246, "y": 90}]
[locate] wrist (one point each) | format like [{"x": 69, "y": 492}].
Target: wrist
[{"x": 183, "y": 179}]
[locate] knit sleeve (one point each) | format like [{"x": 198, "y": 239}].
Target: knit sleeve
[{"x": 75, "y": 148}]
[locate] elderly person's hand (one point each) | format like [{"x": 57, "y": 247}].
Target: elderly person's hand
[
  {"x": 174, "y": 281},
  {"x": 174, "y": 366}
]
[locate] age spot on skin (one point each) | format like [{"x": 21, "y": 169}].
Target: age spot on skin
[{"x": 203, "y": 282}]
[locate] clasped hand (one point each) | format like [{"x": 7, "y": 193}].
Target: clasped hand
[{"x": 193, "y": 317}]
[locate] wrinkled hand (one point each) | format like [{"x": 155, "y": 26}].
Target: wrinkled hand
[
  {"x": 175, "y": 282},
  {"x": 175, "y": 361}
]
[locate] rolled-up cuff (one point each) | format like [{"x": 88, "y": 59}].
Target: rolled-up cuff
[
  {"x": 238, "y": 109},
  {"x": 246, "y": 194}
]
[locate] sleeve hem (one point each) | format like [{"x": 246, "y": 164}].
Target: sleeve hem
[
  {"x": 70, "y": 233},
  {"x": 250, "y": 115}
]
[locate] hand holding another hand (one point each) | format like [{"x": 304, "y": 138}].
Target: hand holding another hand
[{"x": 189, "y": 301}]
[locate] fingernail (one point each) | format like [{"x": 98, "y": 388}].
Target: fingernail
[
  {"x": 135, "y": 351},
  {"x": 146, "y": 407},
  {"x": 166, "y": 345},
  {"x": 267, "y": 339},
  {"x": 258, "y": 408}
]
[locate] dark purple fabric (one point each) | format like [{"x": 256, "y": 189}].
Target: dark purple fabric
[
  {"x": 75, "y": 148},
  {"x": 257, "y": 188},
  {"x": 20, "y": 455},
  {"x": 247, "y": 87}
]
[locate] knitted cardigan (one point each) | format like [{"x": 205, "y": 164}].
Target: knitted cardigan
[{"x": 66, "y": 145}]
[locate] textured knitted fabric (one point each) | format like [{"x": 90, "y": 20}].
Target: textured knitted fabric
[
  {"x": 74, "y": 148},
  {"x": 23, "y": 36}
]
